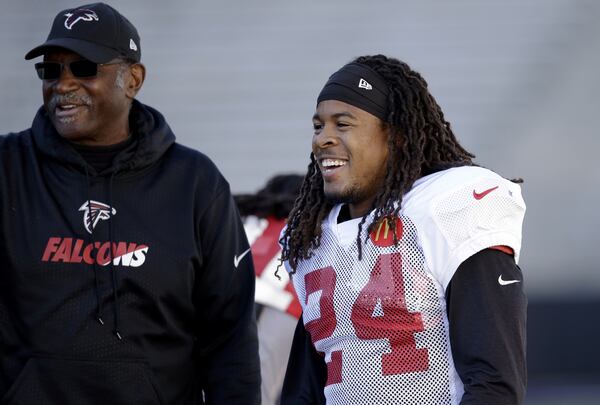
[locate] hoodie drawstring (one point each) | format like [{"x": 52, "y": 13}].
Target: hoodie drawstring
[
  {"x": 99, "y": 309},
  {"x": 115, "y": 283},
  {"x": 114, "y": 279}
]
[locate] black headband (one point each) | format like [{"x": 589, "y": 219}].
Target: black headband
[{"x": 360, "y": 86}]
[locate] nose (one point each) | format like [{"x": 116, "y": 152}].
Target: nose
[
  {"x": 325, "y": 137},
  {"x": 66, "y": 82}
]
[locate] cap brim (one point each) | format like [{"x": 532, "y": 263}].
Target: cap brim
[{"x": 89, "y": 50}]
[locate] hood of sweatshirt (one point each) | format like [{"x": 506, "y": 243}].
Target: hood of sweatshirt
[{"x": 152, "y": 138}]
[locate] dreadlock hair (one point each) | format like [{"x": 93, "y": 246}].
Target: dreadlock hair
[
  {"x": 275, "y": 199},
  {"x": 420, "y": 142}
]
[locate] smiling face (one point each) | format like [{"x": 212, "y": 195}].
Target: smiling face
[
  {"x": 351, "y": 149},
  {"x": 91, "y": 111}
]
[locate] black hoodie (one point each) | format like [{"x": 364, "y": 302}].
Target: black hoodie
[{"x": 168, "y": 319}]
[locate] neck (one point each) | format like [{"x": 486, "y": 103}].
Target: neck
[{"x": 360, "y": 209}]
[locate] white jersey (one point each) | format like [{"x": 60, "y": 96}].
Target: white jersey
[{"x": 381, "y": 322}]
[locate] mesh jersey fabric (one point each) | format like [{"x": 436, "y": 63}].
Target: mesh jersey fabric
[{"x": 381, "y": 322}]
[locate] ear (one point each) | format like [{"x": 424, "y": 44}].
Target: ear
[{"x": 137, "y": 74}]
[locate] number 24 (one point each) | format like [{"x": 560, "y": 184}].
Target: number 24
[{"x": 397, "y": 324}]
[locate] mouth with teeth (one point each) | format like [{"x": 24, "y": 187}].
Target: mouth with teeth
[
  {"x": 329, "y": 167},
  {"x": 66, "y": 107},
  {"x": 67, "y": 112}
]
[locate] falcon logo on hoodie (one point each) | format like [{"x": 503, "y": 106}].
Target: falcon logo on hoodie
[
  {"x": 76, "y": 250},
  {"x": 94, "y": 211}
]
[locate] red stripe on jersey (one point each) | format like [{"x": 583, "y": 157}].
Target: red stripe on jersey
[
  {"x": 294, "y": 309},
  {"x": 266, "y": 247}
]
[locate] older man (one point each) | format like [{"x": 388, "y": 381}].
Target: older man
[{"x": 123, "y": 276}]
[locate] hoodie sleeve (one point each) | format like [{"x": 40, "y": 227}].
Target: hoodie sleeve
[{"x": 227, "y": 344}]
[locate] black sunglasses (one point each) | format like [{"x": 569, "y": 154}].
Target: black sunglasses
[{"x": 81, "y": 69}]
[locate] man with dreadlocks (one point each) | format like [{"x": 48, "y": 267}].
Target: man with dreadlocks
[{"x": 403, "y": 254}]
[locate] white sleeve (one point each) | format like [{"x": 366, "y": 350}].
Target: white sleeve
[{"x": 486, "y": 212}]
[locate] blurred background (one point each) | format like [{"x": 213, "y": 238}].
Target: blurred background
[{"x": 238, "y": 80}]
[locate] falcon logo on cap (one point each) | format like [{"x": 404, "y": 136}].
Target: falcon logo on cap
[
  {"x": 363, "y": 84},
  {"x": 81, "y": 14}
]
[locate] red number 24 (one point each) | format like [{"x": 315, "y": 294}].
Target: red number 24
[{"x": 396, "y": 323}]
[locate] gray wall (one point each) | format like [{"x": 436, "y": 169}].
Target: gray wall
[{"x": 238, "y": 80}]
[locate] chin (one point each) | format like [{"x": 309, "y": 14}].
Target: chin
[
  {"x": 337, "y": 199},
  {"x": 340, "y": 196},
  {"x": 69, "y": 130},
  {"x": 66, "y": 128},
  {"x": 67, "y": 134},
  {"x": 75, "y": 137}
]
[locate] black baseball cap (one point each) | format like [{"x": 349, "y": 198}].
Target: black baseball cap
[{"x": 95, "y": 31}]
